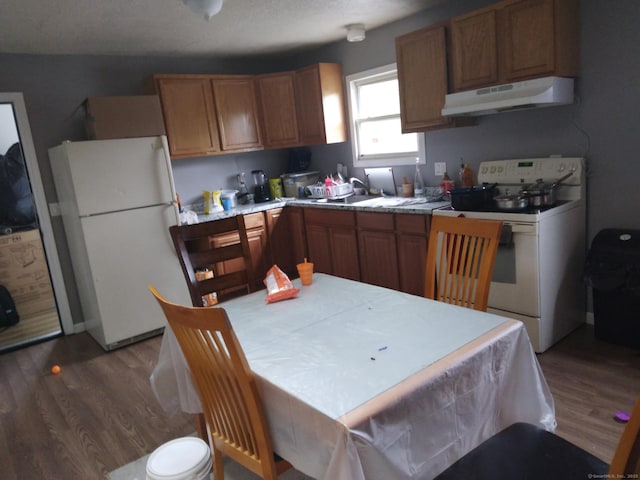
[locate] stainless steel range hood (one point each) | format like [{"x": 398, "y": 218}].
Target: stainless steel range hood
[{"x": 539, "y": 92}]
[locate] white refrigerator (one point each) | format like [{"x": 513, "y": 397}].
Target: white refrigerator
[{"x": 117, "y": 200}]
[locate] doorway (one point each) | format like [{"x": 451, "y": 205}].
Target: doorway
[{"x": 29, "y": 265}]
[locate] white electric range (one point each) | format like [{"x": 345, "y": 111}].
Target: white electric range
[{"x": 538, "y": 275}]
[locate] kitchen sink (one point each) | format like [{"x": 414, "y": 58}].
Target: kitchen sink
[{"x": 389, "y": 201}]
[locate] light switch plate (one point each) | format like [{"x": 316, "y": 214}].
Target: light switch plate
[{"x": 441, "y": 167}]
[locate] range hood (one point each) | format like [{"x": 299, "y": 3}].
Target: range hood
[{"x": 539, "y": 92}]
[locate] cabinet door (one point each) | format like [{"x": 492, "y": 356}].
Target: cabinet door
[
  {"x": 377, "y": 248},
  {"x": 378, "y": 260},
  {"x": 412, "y": 236},
  {"x": 320, "y": 104},
  {"x": 422, "y": 79},
  {"x": 281, "y": 240},
  {"x": 474, "y": 50},
  {"x": 527, "y": 37},
  {"x": 278, "y": 109},
  {"x": 237, "y": 112},
  {"x": 187, "y": 107},
  {"x": 319, "y": 248},
  {"x": 344, "y": 252},
  {"x": 258, "y": 247},
  {"x": 332, "y": 242}
]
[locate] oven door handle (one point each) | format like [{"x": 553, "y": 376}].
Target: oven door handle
[{"x": 522, "y": 227}]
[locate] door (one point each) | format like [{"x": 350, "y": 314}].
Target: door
[
  {"x": 237, "y": 113},
  {"x": 515, "y": 285},
  {"x": 14, "y": 127},
  {"x": 126, "y": 252},
  {"x": 112, "y": 175},
  {"x": 189, "y": 116}
]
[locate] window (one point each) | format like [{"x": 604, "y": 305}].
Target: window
[{"x": 376, "y": 134}]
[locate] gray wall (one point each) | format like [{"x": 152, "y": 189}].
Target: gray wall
[{"x": 599, "y": 126}]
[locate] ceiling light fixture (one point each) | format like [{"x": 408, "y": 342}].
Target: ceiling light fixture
[
  {"x": 355, "y": 32},
  {"x": 206, "y": 8}
]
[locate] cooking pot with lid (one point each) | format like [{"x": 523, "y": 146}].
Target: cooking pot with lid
[
  {"x": 541, "y": 194},
  {"x": 512, "y": 202}
]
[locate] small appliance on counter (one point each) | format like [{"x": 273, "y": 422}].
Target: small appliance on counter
[
  {"x": 261, "y": 187},
  {"x": 294, "y": 183}
]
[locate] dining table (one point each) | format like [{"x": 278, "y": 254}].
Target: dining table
[{"x": 361, "y": 382}]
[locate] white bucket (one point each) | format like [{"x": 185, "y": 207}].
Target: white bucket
[{"x": 186, "y": 458}]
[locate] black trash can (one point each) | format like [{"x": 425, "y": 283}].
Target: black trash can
[{"x": 612, "y": 270}]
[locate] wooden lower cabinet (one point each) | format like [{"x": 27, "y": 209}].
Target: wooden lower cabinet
[
  {"x": 377, "y": 246},
  {"x": 332, "y": 242},
  {"x": 285, "y": 229},
  {"x": 257, "y": 236},
  {"x": 412, "y": 234}
]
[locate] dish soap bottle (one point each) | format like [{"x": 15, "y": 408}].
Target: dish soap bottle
[
  {"x": 418, "y": 183},
  {"x": 467, "y": 176}
]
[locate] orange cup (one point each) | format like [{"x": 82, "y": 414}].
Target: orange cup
[{"x": 305, "y": 270}]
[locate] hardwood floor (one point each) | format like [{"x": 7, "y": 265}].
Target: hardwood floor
[
  {"x": 97, "y": 415},
  {"x": 100, "y": 413}
]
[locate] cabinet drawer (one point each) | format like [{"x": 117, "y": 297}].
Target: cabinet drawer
[
  {"x": 254, "y": 220},
  {"x": 318, "y": 216},
  {"x": 375, "y": 221},
  {"x": 412, "y": 223}
]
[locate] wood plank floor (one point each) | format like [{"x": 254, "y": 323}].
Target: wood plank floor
[{"x": 100, "y": 413}]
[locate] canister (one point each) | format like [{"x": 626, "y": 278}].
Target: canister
[{"x": 275, "y": 187}]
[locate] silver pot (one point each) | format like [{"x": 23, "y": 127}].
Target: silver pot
[
  {"x": 512, "y": 202},
  {"x": 541, "y": 194}
]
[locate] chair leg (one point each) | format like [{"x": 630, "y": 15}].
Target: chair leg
[
  {"x": 218, "y": 465},
  {"x": 201, "y": 427}
]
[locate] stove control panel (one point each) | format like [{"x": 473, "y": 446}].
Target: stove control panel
[{"x": 525, "y": 171}]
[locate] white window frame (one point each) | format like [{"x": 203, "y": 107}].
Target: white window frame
[{"x": 353, "y": 81}]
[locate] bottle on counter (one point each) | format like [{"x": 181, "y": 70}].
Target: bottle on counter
[
  {"x": 467, "y": 176},
  {"x": 418, "y": 183},
  {"x": 447, "y": 183}
]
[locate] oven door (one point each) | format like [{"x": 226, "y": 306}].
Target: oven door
[{"x": 515, "y": 281}]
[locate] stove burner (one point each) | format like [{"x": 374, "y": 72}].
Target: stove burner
[{"x": 527, "y": 210}]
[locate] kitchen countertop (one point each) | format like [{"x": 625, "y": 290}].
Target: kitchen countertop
[{"x": 420, "y": 208}]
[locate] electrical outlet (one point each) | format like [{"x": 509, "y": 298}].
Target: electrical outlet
[{"x": 441, "y": 167}]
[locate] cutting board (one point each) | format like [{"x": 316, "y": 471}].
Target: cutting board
[{"x": 381, "y": 179}]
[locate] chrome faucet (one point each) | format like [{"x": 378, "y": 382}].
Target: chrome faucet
[{"x": 354, "y": 180}]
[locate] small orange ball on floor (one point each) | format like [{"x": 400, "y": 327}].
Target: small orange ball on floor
[{"x": 56, "y": 369}]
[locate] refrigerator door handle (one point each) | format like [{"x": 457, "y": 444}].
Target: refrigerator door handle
[{"x": 172, "y": 186}]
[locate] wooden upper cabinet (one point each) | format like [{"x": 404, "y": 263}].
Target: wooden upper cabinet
[
  {"x": 421, "y": 58},
  {"x": 237, "y": 111},
  {"x": 320, "y": 104},
  {"x": 515, "y": 40},
  {"x": 474, "y": 49},
  {"x": 190, "y": 121},
  {"x": 278, "y": 109}
]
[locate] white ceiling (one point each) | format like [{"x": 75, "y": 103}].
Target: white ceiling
[{"x": 168, "y": 27}]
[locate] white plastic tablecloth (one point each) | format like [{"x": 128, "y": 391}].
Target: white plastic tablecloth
[{"x": 362, "y": 382}]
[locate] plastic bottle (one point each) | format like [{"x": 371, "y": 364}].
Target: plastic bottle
[
  {"x": 446, "y": 184},
  {"x": 467, "y": 176},
  {"x": 418, "y": 183}
]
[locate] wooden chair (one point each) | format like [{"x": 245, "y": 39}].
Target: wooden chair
[
  {"x": 460, "y": 257},
  {"x": 221, "y": 247},
  {"x": 525, "y": 451},
  {"x": 231, "y": 404}
]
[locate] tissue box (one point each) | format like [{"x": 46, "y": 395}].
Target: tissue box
[{"x": 123, "y": 117}]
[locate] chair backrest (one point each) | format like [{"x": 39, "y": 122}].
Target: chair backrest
[
  {"x": 626, "y": 459},
  {"x": 226, "y": 386},
  {"x": 460, "y": 257},
  {"x": 221, "y": 247}
]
